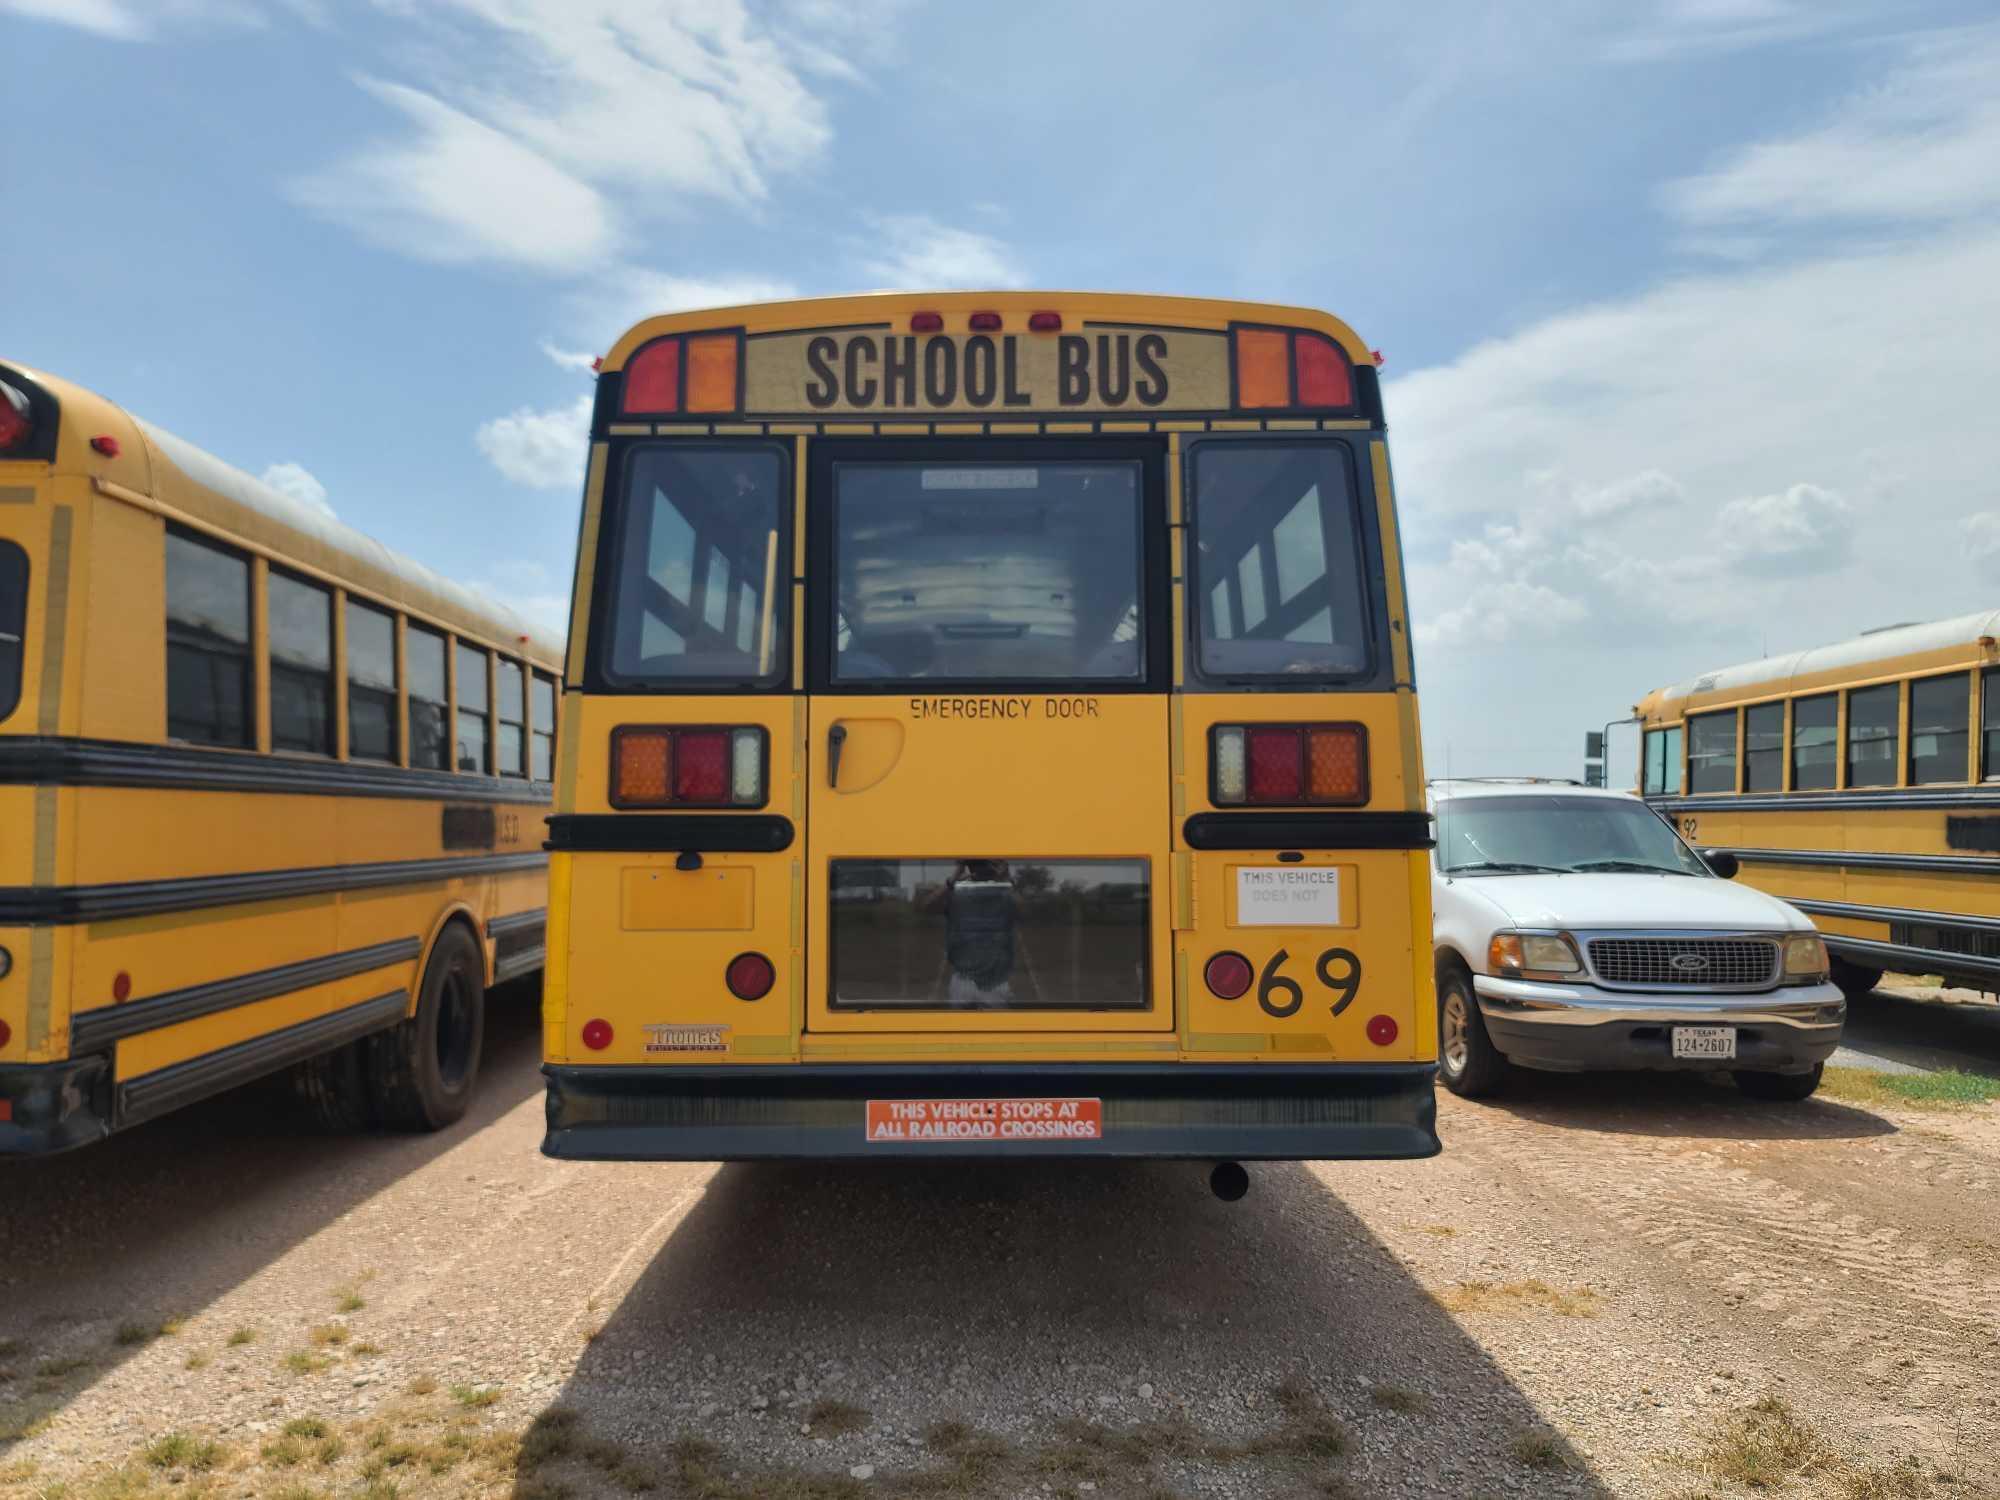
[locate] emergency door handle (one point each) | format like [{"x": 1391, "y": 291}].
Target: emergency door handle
[{"x": 835, "y": 738}]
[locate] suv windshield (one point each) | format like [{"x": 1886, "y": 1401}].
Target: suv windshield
[{"x": 1557, "y": 834}]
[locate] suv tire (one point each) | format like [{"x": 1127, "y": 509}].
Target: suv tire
[
  {"x": 1856, "y": 982},
  {"x": 1468, "y": 1063},
  {"x": 1781, "y": 1088}
]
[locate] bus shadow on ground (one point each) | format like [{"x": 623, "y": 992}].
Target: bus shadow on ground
[
  {"x": 1699, "y": 1106},
  {"x": 105, "y": 1244},
  {"x": 972, "y": 1328},
  {"x": 1925, "y": 1030}
]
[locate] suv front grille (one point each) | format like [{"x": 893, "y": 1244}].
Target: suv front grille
[{"x": 1745, "y": 963}]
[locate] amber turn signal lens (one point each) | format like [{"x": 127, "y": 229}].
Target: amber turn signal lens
[
  {"x": 711, "y": 373},
  {"x": 1263, "y": 367},
  {"x": 639, "y": 767},
  {"x": 1335, "y": 764}
]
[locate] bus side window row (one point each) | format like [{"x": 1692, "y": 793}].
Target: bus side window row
[
  {"x": 211, "y": 677},
  {"x": 1939, "y": 753}
]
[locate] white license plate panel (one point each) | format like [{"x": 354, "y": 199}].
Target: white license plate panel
[{"x": 1712, "y": 1043}]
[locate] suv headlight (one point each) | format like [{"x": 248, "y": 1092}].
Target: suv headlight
[
  {"x": 1533, "y": 955},
  {"x": 1805, "y": 958}
]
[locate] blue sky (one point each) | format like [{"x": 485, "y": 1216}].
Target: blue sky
[{"x": 1690, "y": 306}]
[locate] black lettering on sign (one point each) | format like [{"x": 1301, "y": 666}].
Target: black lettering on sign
[
  {"x": 1114, "y": 368},
  {"x": 469, "y": 828},
  {"x": 1010, "y": 364},
  {"x": 899, "y": 371},
  {"x": 1151, "y": 349},
  {"x": 823, "y": 389},
  {"x": 859, "y": 392},
  {"x": 940, "y": 371},
  {"x": 1072, "y": 369},
  {"x": 979, "y": 371}
]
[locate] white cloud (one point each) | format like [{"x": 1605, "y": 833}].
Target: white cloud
[
  {"x": 1981, "y": 531},
  {"x": 570, "y": 359},
  {"x": 105, "y": 17},
  {"x": 915, "y": 250},
  {"x": 1921, "y": 143},
  {"x": 528, "y": 588},
  {"x": 298, "y": 482},
  {"x": 139, "y": 20},
  {"x": 544, "y": 450},
  {"x": 459, "y": 190},
  {"x": 1649, "y": 488},
  {"x": 1799, "y": 529},
  {"x": 624, "y": 295},
  {"x": 1676, "y": 28}
]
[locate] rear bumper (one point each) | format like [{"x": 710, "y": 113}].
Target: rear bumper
[
  {"x": 1233, "y": 1111},
  {"x": 53, "y": 1107}
]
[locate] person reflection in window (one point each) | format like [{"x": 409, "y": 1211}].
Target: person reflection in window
[{"x": 978, "y": 902}]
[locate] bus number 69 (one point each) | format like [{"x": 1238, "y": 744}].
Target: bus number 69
[{"x": 1338, "y": 969}]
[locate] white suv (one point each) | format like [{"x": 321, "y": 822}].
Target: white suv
[{"x": 1574, "y": 930}]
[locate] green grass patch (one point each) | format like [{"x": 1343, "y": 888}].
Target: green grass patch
[
  {"x": 1946, "y": 1089},
  {"x": 305, "y": 1362},
  {"x": 347, "y": 1299},
  {"x": 176, "y": 1450},
  {"x": 475, "y": 1396},
  {"x": 241, "y": 1337}
]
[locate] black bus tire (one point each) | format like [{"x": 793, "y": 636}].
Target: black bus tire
[
  {"x": 1855, "y": 981},
  {"x": 425, "y": 1069},
  {"x": 332, "y": 1090},
  {"x": 1781, "y": 1088}
]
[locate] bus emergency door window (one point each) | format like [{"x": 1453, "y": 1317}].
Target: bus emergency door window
[
  {"x": 1024, "y": 572},
  {"x": 1277, "y": 562}
]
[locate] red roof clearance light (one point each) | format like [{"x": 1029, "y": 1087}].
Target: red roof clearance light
[
  {"x": 985, "y": 322},
  {"x": 1045, "y": 322},
  {"x": 106, "y": 445},
  {"x": 653, "y": 379},
  {"x": 17, "y": 419},
  {"x": 926, "y": 322}
]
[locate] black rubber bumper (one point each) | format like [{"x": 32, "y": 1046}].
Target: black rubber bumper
[
  {"x": 1240, "y": 1112},
  {"x": 1612, "y": 1046},
  {"x": 52, "y": 1107}
]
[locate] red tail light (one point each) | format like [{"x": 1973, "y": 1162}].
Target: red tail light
[
  {"x": 1323, "y": 376},
  {"x": 1280, "y": 368},
  {"x": 750, "y": 976},
  {"x": 656, "y": 765},
  {"x": 1227, "y": 976},
  {"x": 926, "y": 322},
  {"x": 985, "y": 322},
  {"x": 17, "y": 419},
  {"x": 1280, "y": 765},
  {"x": 653, "y": 379}
]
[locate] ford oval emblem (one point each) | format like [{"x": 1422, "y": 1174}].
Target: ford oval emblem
[{"x": 1689, "y": 963}]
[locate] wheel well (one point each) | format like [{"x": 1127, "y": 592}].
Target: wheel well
[
  {"x": 1450, "y": 960},
  {"x": 457, "y": 916}
]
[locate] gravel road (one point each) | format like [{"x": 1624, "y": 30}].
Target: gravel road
[{"x": 1645, "y": 1287}]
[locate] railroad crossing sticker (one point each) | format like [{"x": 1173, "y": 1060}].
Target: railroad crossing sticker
[{"x": 898, "y": 1121}]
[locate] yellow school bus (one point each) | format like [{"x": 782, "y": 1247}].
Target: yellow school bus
[
  {"x": 270, "y": 796},
  {"x": 989, "y": 727},
  {"x": 1860, "y": 782}
]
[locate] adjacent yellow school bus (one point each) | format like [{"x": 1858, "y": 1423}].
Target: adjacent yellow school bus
[
  {"x": 270, "y": 796},
  {"x": 1858, "y": 781},
  {"x": 989, "y": 728}
]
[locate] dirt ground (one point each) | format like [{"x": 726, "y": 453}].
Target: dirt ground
[{"x": 1605, "y": 1286}]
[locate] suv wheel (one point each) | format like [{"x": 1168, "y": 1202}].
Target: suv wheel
[
  {"x": 1782, "y": 1088},
  {"x": 1467, "y": 1060},
  {"x": 1856, "y": 982}
]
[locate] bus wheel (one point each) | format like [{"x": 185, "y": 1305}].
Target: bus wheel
[
  {"x": 1782, "y": 1088},
  {"x": 1855, "y": 982},
  {"x": 1468, "y": 1062},
  {"x": 332, "y": 1089},
  {"x": 425, "y": 1068}
]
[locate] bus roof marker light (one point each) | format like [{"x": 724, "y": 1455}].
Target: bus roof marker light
[
  {"x": 1045, "y": 322},
  {"x": 106, "y": 444},
  {"x": 984, "y": 322},
  {"x": 17, "y": 420},
  {"x": 653, "y": 379},
  {"x": 926, "y": 322}
]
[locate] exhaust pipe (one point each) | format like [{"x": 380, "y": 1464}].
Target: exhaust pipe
[{"x": 1228, "y": 1181}]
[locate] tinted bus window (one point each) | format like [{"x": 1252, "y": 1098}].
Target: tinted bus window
[
  {"x": 542, "y": 743},
  {"x": 1764, "y": 748},
  {"x": 1712, "y": 753},
  {"x": 423, "y": 652},
  {"x": 371, "y": 683},
  {"x": 1871, "y": 735},
  {"x": 13, "y": 623},
  {"x": 1940, "y": 710},
  {"x": 208, "y": 643},
  {"x": 1007, "y": 572},
  {"x": 1277, "y": 563},
  {"x": 1989, "y": 723},
  {"x": 510, "y": 750},
  {"x": 301, "y": 617},
  {"x": 697, "y": 593},
  {"x": 473, "y": 752},
  {"x": 1815, "y": 743}
]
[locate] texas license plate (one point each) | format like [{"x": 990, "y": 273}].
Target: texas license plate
[
  {"x": 901, "y": 1120},
  {"x": 1718, "y": 1042}
]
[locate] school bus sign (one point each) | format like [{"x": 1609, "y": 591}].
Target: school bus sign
[{"x": 877, "y": 371}]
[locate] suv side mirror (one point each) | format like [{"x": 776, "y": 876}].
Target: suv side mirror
[{"x": 1722, "y": 862}]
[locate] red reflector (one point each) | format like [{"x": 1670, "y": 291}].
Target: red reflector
[
  {"x": 1227, "y": 975},
  {"x": 1045, "y": 322},
  {"x": 597, "y": 1035},
  {"x": 750, "y": 976},
  {"x": 16, "y": 419},
  {"x": 121, "y": 987},
  {"x": 1381, "y": 1030},
  {"x": 6, "y": 1033},
  {"x": 701, "y": 766},
  {"x": 653, "y": 378},
  {"x": 926, "y": 322},
  {"x": 108, "y": 446},
  {"x": 985, "y": 322},
  {"x": 1277, "y": 772},
  {"x": 1320, "y": 366},
  {"x": 6, "y": 1111}
]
